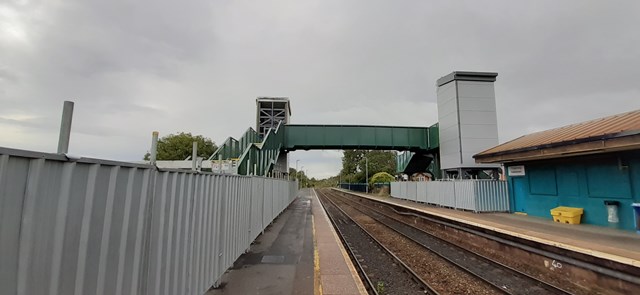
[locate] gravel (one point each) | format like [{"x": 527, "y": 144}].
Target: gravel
[
  {"x": 516, "y": 285},
  {"x": 444, "y": 277},
  {"x": 382, "y": 269}
]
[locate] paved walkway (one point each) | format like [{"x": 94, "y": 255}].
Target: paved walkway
[
  {"x": 608, "y": 243},
  {"x": 298, "y": 254}
]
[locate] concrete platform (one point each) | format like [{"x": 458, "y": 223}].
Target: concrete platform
[
  {"x": 607, "y": 243},
  {"x": 299, "y": 253}
]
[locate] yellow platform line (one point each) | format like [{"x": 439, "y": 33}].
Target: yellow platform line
[{"x": 317, "y": 286}]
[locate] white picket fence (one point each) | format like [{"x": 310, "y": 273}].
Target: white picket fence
[{"x": 473, "y": 195}]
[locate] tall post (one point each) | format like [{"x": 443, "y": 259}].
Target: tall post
[
  {"x": 220, "y": 164},
  {"x": 194, "y": 156},
  {"x": 366, "y": 173},
  {"x": 65, "y": 127},
  {"x": 154, "y": 148},
  {"x": 299, "y": 182}
]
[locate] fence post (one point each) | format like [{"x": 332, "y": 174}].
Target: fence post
[
  {"x": 194, "y": 156},
  {"x": 154, "y": 148},
  {"x": 65, "y": 127}
]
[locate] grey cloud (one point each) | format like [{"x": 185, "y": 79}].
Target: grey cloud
[
  {"x": 8, "y": 77},
  {"x": 197, "y": 66},
  {"x": 31, "y": 123}
]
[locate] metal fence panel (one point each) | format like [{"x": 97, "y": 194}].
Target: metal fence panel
[
  {"x": 395, "y": 189},
  {"x": 257, "y": 186},
  {"x": 492, "y": 196},
  {"x": 421, "y": 192},
  {"x": 432, "y": 194},
  {"x": 104, "y": 227},
  {"x": 268, "y": 204},
  {"x": 411, "y": 191},
  {"x": 70, "y": 227},
  {"x": 465, "y": 197},
  {"x": 473, "y": 195},
  {"x": 446, "y": 193}
]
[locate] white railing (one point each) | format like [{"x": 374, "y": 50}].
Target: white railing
[
  {"x": 103, "y": 227},
  {"x": 473, "y": 195}
]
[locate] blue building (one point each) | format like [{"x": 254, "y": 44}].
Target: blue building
[{"x": 586, "y": 165}]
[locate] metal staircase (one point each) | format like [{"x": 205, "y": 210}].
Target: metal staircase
[
  {"x": 260, "y": 158},
  {"x": 233, "y": 148}
]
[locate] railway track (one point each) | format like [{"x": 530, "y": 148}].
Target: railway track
[
  {"x": 501, "y": 278},
  {"x": 381, "y": 270}
]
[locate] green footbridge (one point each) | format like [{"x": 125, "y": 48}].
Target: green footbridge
[{"x": 259, "y": 156}]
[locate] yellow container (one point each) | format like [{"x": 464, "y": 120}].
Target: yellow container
[{"x": 568, "y": 215}]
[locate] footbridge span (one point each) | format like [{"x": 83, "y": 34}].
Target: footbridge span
[{"x": 260, "y": 157}]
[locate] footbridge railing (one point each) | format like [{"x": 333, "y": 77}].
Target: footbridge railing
[
  {"x": 260, "y": 158},
  {"x": 233, "y": 148}
]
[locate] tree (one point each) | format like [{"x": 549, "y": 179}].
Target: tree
[
  {"x": 327, "y": 182},
  {"x": 381, "y": 177},
  {"x": 354, "y": 164},
  {"x": 300, "y": 176},
  {"x": 180, "y": 146}
]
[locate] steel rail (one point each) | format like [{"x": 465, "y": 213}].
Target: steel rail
[
  {"x": 414, "y": 276},
  {"x": 490, "y": 261},
  {"x": 551, "y": 255}
]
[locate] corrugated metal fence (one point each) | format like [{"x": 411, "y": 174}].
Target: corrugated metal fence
[
  {"x": 474, "y": 195},
  {"x": 102, "y": 227}
]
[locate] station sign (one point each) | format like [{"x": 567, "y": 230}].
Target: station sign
[{"x": 516, "y": 170}]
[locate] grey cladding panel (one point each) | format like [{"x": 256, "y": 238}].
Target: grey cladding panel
[
  {"x": 477, "y": 117},
  {"x": 479, "y": 131},
  {"x": 467, "y": 117}
]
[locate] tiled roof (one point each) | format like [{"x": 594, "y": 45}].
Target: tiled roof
[{"x": 607, "y": 127}]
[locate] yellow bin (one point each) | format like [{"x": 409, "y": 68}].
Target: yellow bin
[{"x": 568, "y": 215}]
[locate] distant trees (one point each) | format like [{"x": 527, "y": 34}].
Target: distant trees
[
  {"x": 299, "y": 175},
  {"x": 327, "y": 182},
  {"x": 179, "y": 146},
  {"x": 353, "y": 164}
]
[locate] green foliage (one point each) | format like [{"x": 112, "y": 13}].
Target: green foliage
[
  {"x": 300, "y": 176},
  {"x": 381, "y": 177},
  {"x": 179, "y": 146},
  {"x": 327, "y": 182},
  {"x": 381, "y": 166},
  {"x": 354, "y": 164},
  {"x": 380, "y": 287}
]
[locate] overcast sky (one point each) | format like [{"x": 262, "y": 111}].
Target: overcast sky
[{"x": 197, "y": 66}]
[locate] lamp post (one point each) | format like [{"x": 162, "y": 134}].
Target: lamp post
[
  {"x": 299, "y": 182},
  {"x": 366, "y": 173}
]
